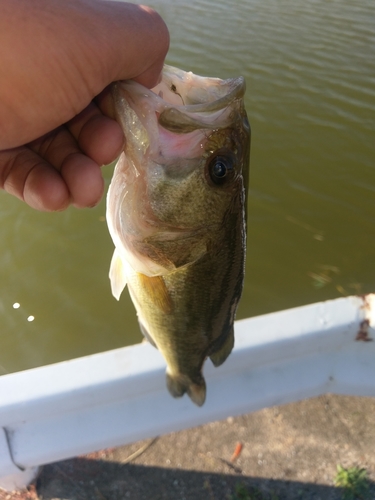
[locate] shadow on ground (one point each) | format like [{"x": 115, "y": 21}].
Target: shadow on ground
[{"x": 84, "y": 479}]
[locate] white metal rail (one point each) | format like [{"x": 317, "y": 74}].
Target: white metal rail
[{"x": 116, "y": 397}]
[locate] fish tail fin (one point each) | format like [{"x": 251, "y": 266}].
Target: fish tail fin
[
  {"x": 117, "y": 275},
  {"x": 223, "y": 352},
  {"x": 178, "y": 385}
]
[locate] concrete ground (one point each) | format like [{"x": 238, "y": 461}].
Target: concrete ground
[{"x": 287, "y": 452}]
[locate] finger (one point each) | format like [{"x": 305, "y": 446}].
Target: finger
[
  {"x": 27, "y": 176},
  {"x": 55, "y": 146},
  {"x": 105, "y": 103},
  {"x": 84, "y": 180},
  {"x": 81, "y": 174},
  {"x": 98, "y": 136}
]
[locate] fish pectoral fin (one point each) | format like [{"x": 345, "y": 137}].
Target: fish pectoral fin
[
  {"x": 157, "y": 291},
  {"x": 219, "y": 356},
  {"x": 117, "y": 275},
  {"x": 180, "y": 384}
]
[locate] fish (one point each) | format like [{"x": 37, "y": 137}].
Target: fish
[{"x": 176, "y": 212}]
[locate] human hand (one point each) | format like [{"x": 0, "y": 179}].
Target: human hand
[{"x": 55, "y": 58}]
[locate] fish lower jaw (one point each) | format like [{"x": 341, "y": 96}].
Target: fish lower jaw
[{"x": 179, "y": 384}]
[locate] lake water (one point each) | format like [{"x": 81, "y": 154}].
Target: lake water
[{"x": 310, "y": 72}]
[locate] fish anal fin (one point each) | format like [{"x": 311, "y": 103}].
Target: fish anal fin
[
  {"x": 218, "y": 357},
  {"x": 156, "y": 290},
  {"x": 146, "y": 335},
  {"x": 178, "y": 385},
  {"x": 117, "y": 275}
]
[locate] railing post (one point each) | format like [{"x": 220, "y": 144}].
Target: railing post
[{"x": 16, "y": 478}]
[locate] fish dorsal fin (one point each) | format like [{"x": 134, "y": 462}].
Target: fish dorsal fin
[
  {"x": 156, "y": 290},
  {"x": 117, "y": 275}
]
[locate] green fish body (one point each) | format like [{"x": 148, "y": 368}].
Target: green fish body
[{"x": 176, "y": 211}]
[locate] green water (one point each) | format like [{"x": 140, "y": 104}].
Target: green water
[{"x": 310, "y": 71}]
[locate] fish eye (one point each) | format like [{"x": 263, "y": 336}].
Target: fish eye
[{"x": 220, "y": 169}]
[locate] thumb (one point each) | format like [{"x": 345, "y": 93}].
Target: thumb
[
  {"x": 72, "y": 50},
  {"x": 138, "y": 43}
]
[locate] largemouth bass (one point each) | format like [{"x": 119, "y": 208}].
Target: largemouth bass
[{"x": 176, "y": 213}]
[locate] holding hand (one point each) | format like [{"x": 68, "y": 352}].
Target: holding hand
[{"x": 56, "y": 56}]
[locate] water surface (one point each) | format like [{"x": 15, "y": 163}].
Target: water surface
[{"x": 310, "y": 72}]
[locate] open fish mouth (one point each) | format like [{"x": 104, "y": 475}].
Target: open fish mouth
[
  {"x": 186, "y": 102},
  {"x": 192, "y": 95}
]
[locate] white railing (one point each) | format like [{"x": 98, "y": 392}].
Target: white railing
[{"x": 117, "y": 397}]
